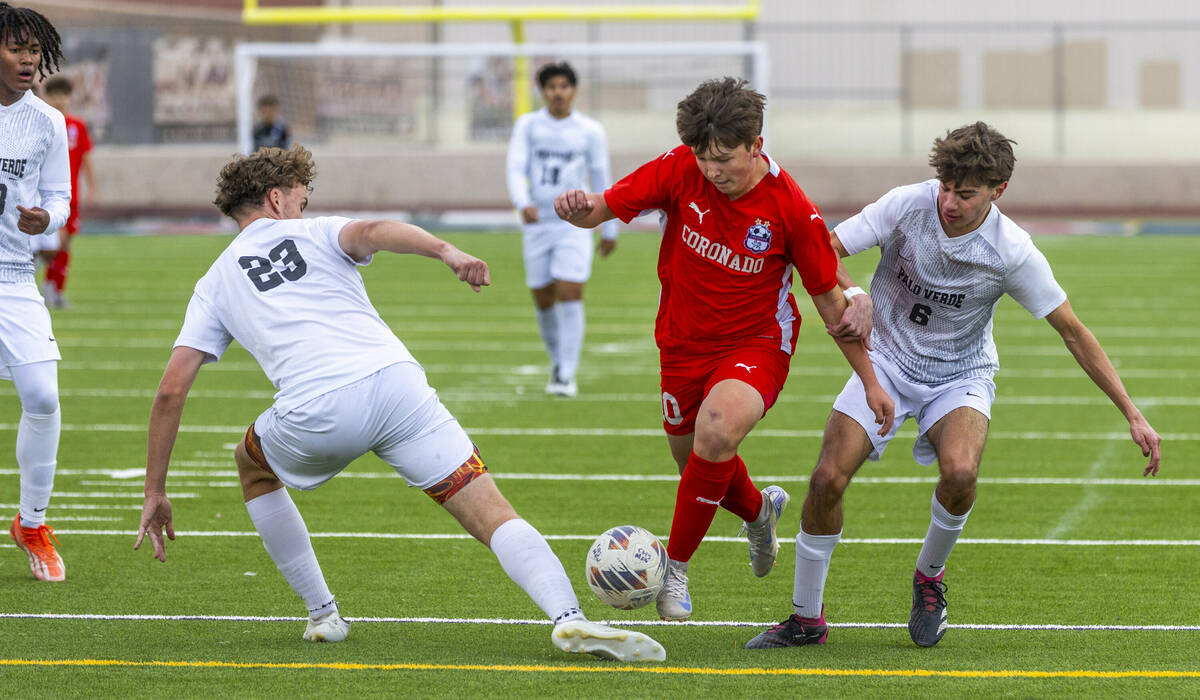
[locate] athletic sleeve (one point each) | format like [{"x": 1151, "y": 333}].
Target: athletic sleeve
[
  {"x": 516, "y": 165},
  {"x": 875, "y": 224},
  {"x": 54, "y": 178},
  {"x": 83, "y": 142},
  {"x": 1031, "y": 283},
  {"x": 812, "y": 254},
  {"x": 328, "y": 229},
  {"x": 202, "y": 328},
  {"x": 647, "y": 188},
  {"x": 600, "y": 175}
]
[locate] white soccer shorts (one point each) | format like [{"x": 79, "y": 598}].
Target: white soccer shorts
[
  {"x": 556, "y": 250},
  {"x": 25, "y": 333},
  {"x": 927, "y": 404},
  {"x": 393, "y": 413}
]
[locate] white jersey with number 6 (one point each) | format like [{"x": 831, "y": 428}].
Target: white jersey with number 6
[
  {"x": 294, "y": 299},
  {"x": 935, "y": 295}
]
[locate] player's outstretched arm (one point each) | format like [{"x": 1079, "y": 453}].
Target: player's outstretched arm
[
  {"x": 831, "y": 305},
  {"x": 1092, "y": 358},
  {"x": 583, "y": 209},
  {"x": 856, "y": 321},
  {"x": 361, "y": 239},
  {"x": 165, "y": 415}
]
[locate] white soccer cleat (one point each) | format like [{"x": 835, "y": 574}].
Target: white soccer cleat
[
  {"x": 583, "y": 637},
  {"x": 567, "y": 389},
  {"x": 331, "y": 628}
]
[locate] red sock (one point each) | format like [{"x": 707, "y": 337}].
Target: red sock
[
  {"x": 56, "y": 271},
  {"x": 742, "y": 498},
  {"x": 701, "y": 488}
]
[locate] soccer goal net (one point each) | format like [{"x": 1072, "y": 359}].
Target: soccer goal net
[{"x": 374, "y": 97}]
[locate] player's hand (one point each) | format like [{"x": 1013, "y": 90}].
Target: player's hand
[
  {"x": 1149, "y": 441},
  {"x": 856, "y": 321},
  {"x": 33, "y": 221},
  {"x": 529, "y": 214},
  {"x": 573, "y": 206},
  {"x": 883, "y": 407},
  {"x": 606, "y": 246},
  {"x": 156, "y": 515},
  {"x": 469, "y": 268}
]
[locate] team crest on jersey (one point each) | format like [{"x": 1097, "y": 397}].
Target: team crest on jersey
[{"x": 758, "y": 237}]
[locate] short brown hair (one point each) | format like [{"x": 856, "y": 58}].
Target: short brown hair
[
  {"x": 722, "y": 112},
  {"x": 58, "y": 84},
  {"x": 975, "y": 153},
  {"x": 246, "y": 180}
]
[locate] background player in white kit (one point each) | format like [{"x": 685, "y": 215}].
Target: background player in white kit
[
  {"x": 35, "y": 197},
  {"x": 948, "y": 255},
  {"x": 551, "y": 151},
  {"x": 288, "y": 290}
]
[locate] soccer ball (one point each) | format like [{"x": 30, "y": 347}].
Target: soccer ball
[{"x": 626, "y": 567}]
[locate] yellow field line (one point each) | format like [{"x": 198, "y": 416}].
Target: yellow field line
[{"x": 668, "y": 670}]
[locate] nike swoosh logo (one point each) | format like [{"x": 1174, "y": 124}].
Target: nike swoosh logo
[
  {"x": 975, "y": 395},
  {"x": 39, "y": 510},
  {"x": 705, "y": 500}
]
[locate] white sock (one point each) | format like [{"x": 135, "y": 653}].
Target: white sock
[
  {"x": 285, "y": 537},
  {"x": 547, "y": 320},
  {"x": 944, "y": 530},
  {"x": 570, "y": 337},
  {"x": 813, "y": 553},
  {"x": 530, "y": 563},
  {"x": 37, "y": 451}
]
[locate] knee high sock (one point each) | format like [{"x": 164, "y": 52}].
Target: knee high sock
[
  {"x": 813, "y": 553},
  {"x": 285, "y": 537},
  {"x": 943, "y": 532},
  {"x": 37, "y": 450},
  {"x": 56, "y": 271},
  {"x": 528, "y": 560},
  {"x": 547, "y": 320},
  {"x": 742, "y": 498},
  {"x": 700, "y": 491},
  {"x": 570, "y": 337}
]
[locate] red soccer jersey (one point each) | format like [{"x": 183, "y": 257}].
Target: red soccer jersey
[
  {"x": 78, "y": 144},
  {"x": 726, "y": 266}
]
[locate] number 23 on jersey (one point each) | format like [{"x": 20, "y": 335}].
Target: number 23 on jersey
[{"x": 263, "y": 273}]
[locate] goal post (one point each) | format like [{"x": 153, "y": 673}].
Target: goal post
[{"x": 384, "y": 95}]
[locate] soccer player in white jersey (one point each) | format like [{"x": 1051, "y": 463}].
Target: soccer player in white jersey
[
  {"x": 948, "y": 255},
  {"x": 35, "y": 197},
  {"x": 289, "y": 291},
  {"x": 551, "y": 151}
]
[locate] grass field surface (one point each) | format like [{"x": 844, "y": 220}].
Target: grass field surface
[{"x": 1075, "y": 575}]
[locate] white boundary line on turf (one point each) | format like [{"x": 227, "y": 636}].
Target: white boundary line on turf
[
  {"x": 630, "y": 432},
  {"x": 589, "y": 538},
  {"x": 630, "y": 623}
]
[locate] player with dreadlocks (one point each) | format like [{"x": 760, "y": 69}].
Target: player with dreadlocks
[{"x": 35, "y": 198}]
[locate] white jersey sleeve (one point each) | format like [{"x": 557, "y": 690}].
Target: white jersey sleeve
[
  {"x": 1030, "y": 280},
  {"x": 54, "y": 179},
  {"x": 516, "y": 165},
  {"x": 600, "y": 173},
  {"x": 875, "y": 225},
  {"x": 202, "y": 328}
]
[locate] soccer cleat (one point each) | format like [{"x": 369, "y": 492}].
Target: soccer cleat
[
  {"x": 43, "y": 558},
  {"x": 582, "y": 637},
  {"x": 567, "y": 389},
  {"x": 329, "y": 628},
  {"x": 674, "y": 602},
  {"x": 795, "y": 631},
  {"x": 927, "y": 623},
  {"x": 764, "y": 545}
]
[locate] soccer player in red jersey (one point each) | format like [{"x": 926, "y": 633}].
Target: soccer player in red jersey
[
  {"x": 79, "y": 144},
  {"x": 735, "y": 225}
]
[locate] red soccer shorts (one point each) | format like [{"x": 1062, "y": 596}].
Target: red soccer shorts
[
  {"x": 687, "y": 379},
  {"x": 72, "y": 224}
]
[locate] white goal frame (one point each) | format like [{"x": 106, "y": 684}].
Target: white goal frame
[{"x": 247, "y": 55}]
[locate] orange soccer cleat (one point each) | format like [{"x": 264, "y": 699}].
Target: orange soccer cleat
[{"x": 43, "y": 558}]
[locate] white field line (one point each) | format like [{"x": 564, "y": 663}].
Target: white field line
[
  {"x": 590, "y": 538},
  {"x": 78, "y": 506},
  {"x": 618, "y": 369},
  {"x": 470, "y": 396},
  {"x": 1089, "y": 496},
  {"x": 625, "y": 432},
  {"x": 618, "y": 623},
  {"x": 137, "y": 473}
]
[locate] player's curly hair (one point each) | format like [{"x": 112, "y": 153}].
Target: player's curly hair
[
  {"x": 725, "y": 112},
  {"x": 21, "y": 25},
  {"x": 552, "y": 70},
  {"x": 246, "y": 180},
  {"x": 975, "y": 153}
]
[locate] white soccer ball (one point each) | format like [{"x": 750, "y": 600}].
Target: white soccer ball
[{"x": 626, "y": 567}]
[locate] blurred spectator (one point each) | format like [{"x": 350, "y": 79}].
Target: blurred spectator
[{"x": 271, "y": 131}]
